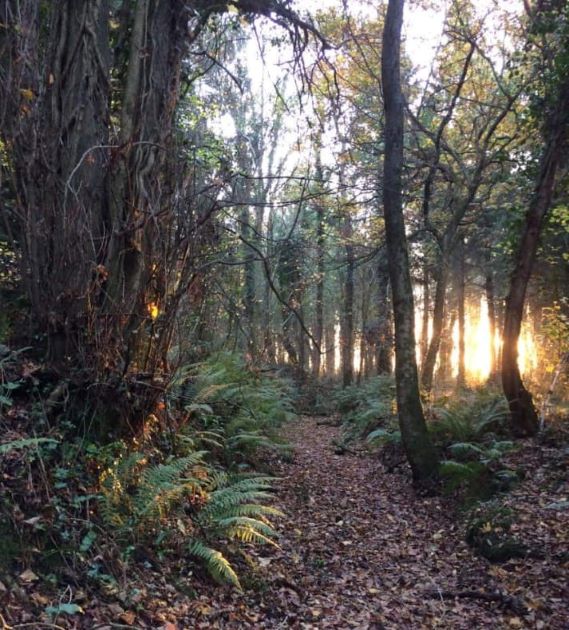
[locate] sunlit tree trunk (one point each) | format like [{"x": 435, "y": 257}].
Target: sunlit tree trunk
[
  {"x": 460, "y": 298},
  {"x": 445, "y": 368},
  {"x": 524, "y": 419},
  {"x": 384, "y": 346},
  {"x": 417, "y": 443},
  {"x": 441, "y": 279},
  {"x": 490, "y": 301}
]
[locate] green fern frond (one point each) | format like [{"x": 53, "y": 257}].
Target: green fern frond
[
  {"x": 25, "y": 443},
  {"x": 234, "y": 523},
  {"x": 217, "y": 565},
  {"x": 249, "y": 535},
  {"x": 256, "y": 510}
]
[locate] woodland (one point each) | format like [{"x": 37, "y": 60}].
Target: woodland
[{"x": 284, "y": 314}]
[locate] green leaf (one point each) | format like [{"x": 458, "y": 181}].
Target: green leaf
[{"x": 66, "y": 609}]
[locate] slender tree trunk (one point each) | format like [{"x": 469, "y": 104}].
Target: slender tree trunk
[
  {"x": 445, "y": 368},
  {"x": 524, "y": 419},
  {"x": 426, "y": 309},
  {"x": 249, "y": 288},
  {"x": 347, "y": 323},
  {"x": 420, "y": 452},
  {"x": 320, "y": 270},
  {"x": 428, "y": 372},
  {"x": 490, "y": 301},
  {"x": 384, "y": 345},
  {"x": 330, "y": 343},
  {"x": 460, "y": 298},
  {"x": 268, "y": 334}
]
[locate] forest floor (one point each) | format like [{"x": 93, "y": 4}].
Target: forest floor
[{"x": 359, "y": 549}]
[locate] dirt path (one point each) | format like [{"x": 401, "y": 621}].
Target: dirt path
[{"x": 360, "y": 550}]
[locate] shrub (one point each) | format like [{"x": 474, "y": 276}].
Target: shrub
[
  {"x": 237, "y": 406},
  {"x": 366, "y": 407}
]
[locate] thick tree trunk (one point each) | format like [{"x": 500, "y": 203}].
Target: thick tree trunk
[
  {"x": 417, "y": 443},
  {"x": 57, "y": 128}
]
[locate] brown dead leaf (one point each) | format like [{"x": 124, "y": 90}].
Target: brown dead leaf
[{"x": 128, "y": 617}]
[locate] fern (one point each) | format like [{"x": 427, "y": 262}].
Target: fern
[
  {"x": 25, "y": 443},
  {"x": 216, "y": 563},
  {"x": 384, "y": 436},
  {"x": 459, "y": 473},
  {"x": 239, "y": 405},
  {"x": 366, "y": 407},
  {"x": 468, "y": 421},
  {"x": 136, "y": 496}
]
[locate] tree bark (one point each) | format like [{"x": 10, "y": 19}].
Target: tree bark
[
  {"x": 384, "y": 348},
  {"x": 320, "y": 268},
  {"x": 441, "y": 279},
  {"x": 347, "y": 323},
  {"x": 524, "y": 418},
  {"x": 425, "y": 319},
  {"x": 490, "y": 301},
  {"x": 460, "y": 298},
  {"x": 417, "y": 443}
]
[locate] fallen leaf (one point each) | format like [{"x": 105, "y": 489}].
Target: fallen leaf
[
  {"x": 28, "y": 576},
  {"x": 128, "y": 617}
]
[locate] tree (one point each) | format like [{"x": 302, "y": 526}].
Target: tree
[
  {"x": 416, "y": 440},
  {"x": 90, "y": 93},
  {"x": 524, "y": 418}
]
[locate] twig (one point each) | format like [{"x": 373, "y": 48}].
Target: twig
[{"x": 37, "y": 624}]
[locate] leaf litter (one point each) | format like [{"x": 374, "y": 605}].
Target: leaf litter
[{"x": 358, "y": 549}]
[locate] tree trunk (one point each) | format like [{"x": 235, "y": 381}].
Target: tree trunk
[
  {"x": 384, "y": 341},
  {"x": 320, "y": 270},
  {"x": 426, "y": 308},
  {"x": 490, "y": 301},
  {"x": 347, "y": 323},
  {"x": 428, "y": 371},
  {"x": 460, "y": 298},
  {"x": 417, "y": 443},
  {"x": 524, "y": 419},
  {"x": 444, "y": 372}
]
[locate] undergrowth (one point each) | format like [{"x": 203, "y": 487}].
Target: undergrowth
[
  {"x": 185, "y": 486},
  {"x": 366, "y": 407}
]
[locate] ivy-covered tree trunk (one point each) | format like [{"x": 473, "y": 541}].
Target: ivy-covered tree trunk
[{"x": 417, "y": 443}]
